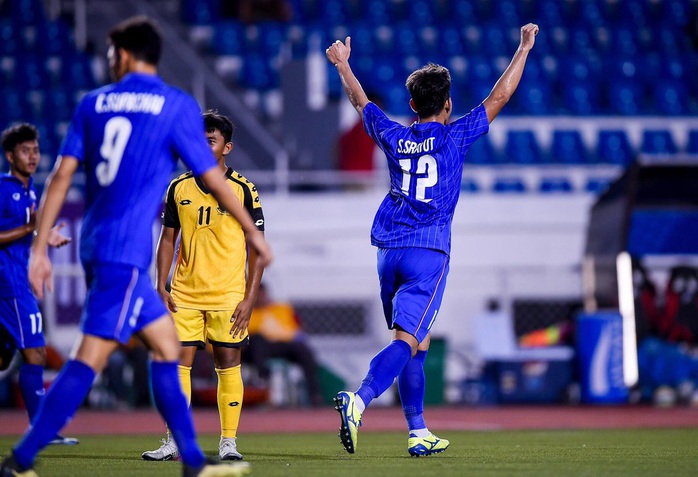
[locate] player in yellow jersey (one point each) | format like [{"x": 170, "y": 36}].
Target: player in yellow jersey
[{"x": 215, "y": 281}]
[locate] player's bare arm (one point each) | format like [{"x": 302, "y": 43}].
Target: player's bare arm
[
  {"x": 243, "y": 312},
  {"x": 338, "y": 53},
  {"x": 57, "y": 186},
  {"x": 509, "y": 81},
  {"x": 10, "y": 235},
  {"x": 163, "y": 262},
  {"x": 216, "y": 184}
]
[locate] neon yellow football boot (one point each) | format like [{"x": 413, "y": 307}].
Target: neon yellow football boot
[
  {"x": 423, "y": 446},
  {"x": 351, "y": 419}
]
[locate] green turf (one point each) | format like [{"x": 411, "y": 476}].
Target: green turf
[{"x": 663, "y": 452}]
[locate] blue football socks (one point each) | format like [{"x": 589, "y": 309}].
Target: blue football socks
[
  {"x": 31, "y": 385},
  {"x": 384, "y": 368},
  {"x": 170, "y": 401},
  {"x": 411, "y": 384},
  {"x": 63, "y": 399}
]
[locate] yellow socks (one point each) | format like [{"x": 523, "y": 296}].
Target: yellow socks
[{"x": 230, "y": 391}]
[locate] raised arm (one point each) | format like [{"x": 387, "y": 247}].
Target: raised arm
[
  {"x": 508, "y": 82},
  {"x": 52, "y": 200},
  {"x": 338, "y": 53}
]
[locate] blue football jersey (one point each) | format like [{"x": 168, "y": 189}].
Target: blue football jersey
[
  {"x": 16, "y": 202},
  {"x": 425, "y": 162},
  {"x": 129, "y": 135}
]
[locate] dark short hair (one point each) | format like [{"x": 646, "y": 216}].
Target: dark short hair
[
  {"x": 17, "y": 134},
  {"x": 140, "y": 36},
  {"x": 214, "y": 120},
  {"x": 430, "y": 88}
]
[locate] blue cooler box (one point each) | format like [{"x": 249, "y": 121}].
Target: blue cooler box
[{"x": 600, "y": 357}]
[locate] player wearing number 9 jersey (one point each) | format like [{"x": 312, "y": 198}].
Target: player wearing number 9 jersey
[
  {"x": 128, "y": 135},
  {"x": 412, "y": 228}
]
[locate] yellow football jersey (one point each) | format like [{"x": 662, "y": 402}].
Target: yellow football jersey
[{"x": 210, "y": 270}]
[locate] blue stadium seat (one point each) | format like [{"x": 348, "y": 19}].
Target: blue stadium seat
[
  {"x": 55, "y": 37},
  {"x": 469, "y": 184},
  {"x": 13, "y": 103},
  {"x": 59, "y": 104},
  {"x": 658, "y": 141},
  {"x": 428, "y": 38},
  {"x": 555, "y": 184},
  {"x": 25, "y": 12},
  {"x": 463, "y": 11},
  {"x": 613, "y": 147},
  {"x": 419, "y": 12},
  {"x": 671, "y": 98},
  {"x": 378, "y": 12},
  {"x": 581, "y": 97},
  {"x": 522, "y": 148},
  {"x": 270, "y": 36},
  {"x": 496, "y": 40},
  {"x": 228, "y": 38},
  {"x": 397, "y": 100},
  {"x": 597, "y": 185},
  {"x": 549, "y": 12},
  {"x": 592, "y": 13},
  {"x": 77, "y": 70},
  {"x": 508, "y": 12},
  {"x": 370, "y": 39},
  {"x": 625, "y": 97},
  {"x": 692, "y": 146},
  {"x": 450, "y": 41},
  {"x": 676, "y": 13},
  {"x": 533, "y": 97},
  {"x": 568, "y": 148},
  {"x": 333, "y": 12},
  {"x": 481, "y": 152},
  {"x": 257, "y": 73},
  {"x": 30, "y": 72},
  {"x": 200, "y": 12},
  {"x": 405, "y": 40},
  {"x": 581, "y": 41},
  {"x": 509, "y": 184}
]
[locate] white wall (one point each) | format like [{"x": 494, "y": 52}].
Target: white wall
[{"x": 504, "y": 246}]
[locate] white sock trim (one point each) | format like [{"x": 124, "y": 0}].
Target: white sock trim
[{"x": 424, "y": 432}]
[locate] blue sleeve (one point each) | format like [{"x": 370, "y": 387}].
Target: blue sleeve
[
  {"x": 465, "y": 130},
  {"x": 6, "y": 221},
  {"x": 189, "y": 139},
  {"x": 376, "y": 123},
  {"x": 74, "y": 142}
]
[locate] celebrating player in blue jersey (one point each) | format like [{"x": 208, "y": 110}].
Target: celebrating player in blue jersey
[
  {"x": 412, "y": 228},
  {"x": 128, "y": 136},
  {"x": 20, "y": 319}
]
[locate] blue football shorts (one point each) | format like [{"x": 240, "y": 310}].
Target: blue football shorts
[
  {"x": 412, "y": 282},
  {"x": 121, "y": 300},
  {"x": 21, "y": 317}
]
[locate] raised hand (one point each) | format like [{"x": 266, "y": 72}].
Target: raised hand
[
  {"x": 528, "y": 36},
  {"x": 55, "y": 238},
  {"x": 339, "y": 52}
]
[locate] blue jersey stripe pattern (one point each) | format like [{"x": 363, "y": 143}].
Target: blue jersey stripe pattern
[
  {"x": 16, "y": 201},
  {"x": 425, "y": 162},
  {"x": 129, "y": 135}
]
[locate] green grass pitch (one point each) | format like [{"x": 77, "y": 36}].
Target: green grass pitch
[{"x": 646, "y": 452}]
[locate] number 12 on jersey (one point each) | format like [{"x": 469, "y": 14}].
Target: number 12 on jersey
[{"x": 425, "y": 173}]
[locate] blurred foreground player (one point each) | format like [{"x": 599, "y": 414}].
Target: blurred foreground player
[
  {"x": 412, "y": 228},
  {"x": 21, "y": 323},
  {"x": 128, "y": 135}
]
